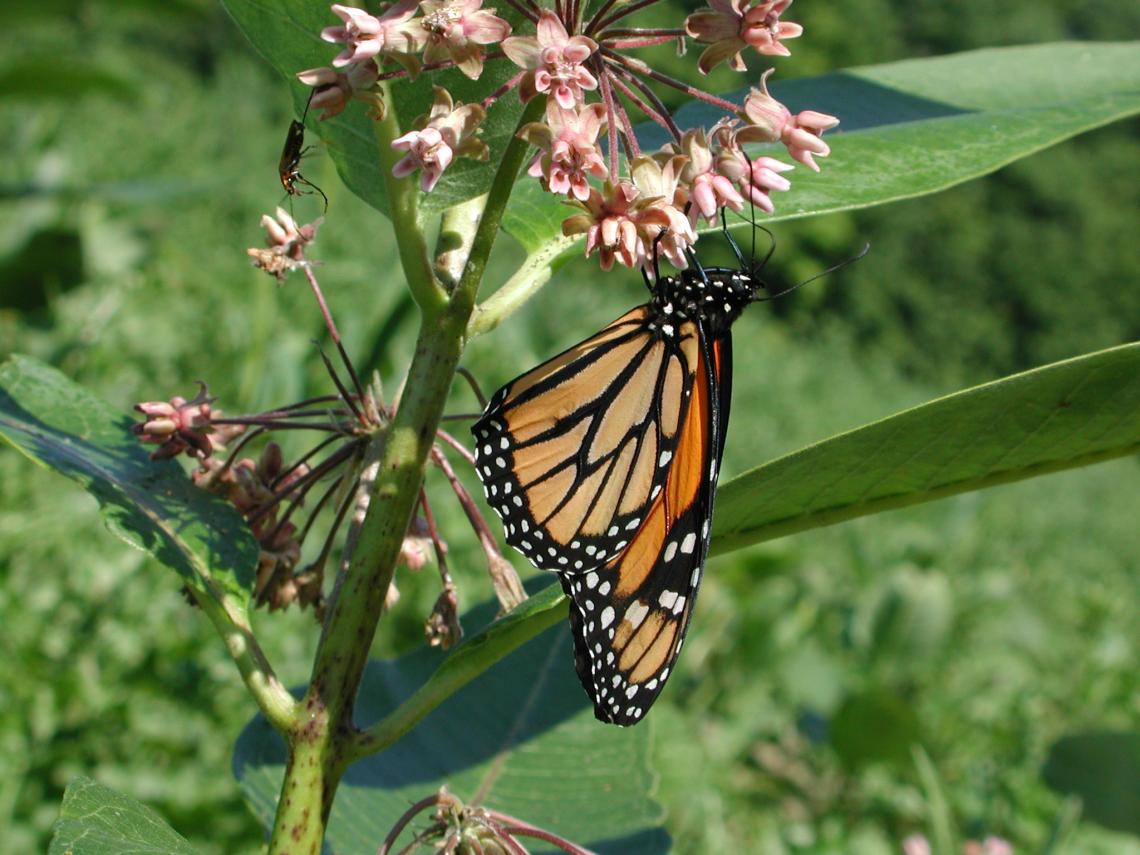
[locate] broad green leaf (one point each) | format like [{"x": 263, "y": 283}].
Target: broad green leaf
[
  {"x": 150, "y": 504},
  {"x": 1103, "y": 768},
  {"x": 287, "y": 34},
  {"x": 96, "y": 820},
  {"x": 918, "y": 126},
  {"x": 875, "y": 726},
  {"x": 521, "y": 740},
  {"x": 1060, "y": 416},
  {"x": 42, "y": 79}
]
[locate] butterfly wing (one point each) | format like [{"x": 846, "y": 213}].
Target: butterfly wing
[
  {"x": 629, "y": 617},
  {"x": 573, "y": 453}
]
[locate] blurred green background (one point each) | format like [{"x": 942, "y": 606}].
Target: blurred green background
[{"x": 141, "y": 141}]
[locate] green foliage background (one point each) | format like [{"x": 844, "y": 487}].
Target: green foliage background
[{"x": 141, "y": 145}]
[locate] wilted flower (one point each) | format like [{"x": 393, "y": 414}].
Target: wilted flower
[
  {"x": 457, "y": 30},
  {"x": 554, "y": 61},
  {"x": 179, "y": 425},
  {"x": 442, "y": 626},
  {"x": 447, "y": 132},
  {"x": 568, "y": 148},
  {"x": 285, "y": 236},
  {"x": 728, "y": 27}
]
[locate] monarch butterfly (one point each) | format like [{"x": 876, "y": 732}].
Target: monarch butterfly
[
  {"x": 603, "y": 463},
  {"x": 289, "y": 165}
]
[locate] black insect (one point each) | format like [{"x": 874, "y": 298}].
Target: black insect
[{"x": 289, "y": 166}]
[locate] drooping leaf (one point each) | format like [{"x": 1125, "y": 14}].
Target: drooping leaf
[
  {"x": 150, "y": 504},
  {"x": 522, "y": 740},
  {"x": 96, "y": 820},
  {"x": 1103, "y": 768},
  {"x": 1060, "y": 416}
]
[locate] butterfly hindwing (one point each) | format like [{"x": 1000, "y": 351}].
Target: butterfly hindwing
[
  {"x": 572, "y": 453},
  {"x": 629, "y": 617}
]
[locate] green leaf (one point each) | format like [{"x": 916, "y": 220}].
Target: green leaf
[
  {"x": 875, "y": 726},
  {"x": 96, "y": 820},
  {"x": 522, "y": 740},
  {"x": 150, "y": 504},
  {"x": 915, "y": 127},
  {"x": 918, "y": 126},
  {"x": 44, "y": 78},
  {"x": 1061, "y": 416},
  {"x": 1103, "y": 768},
  {"x": 287, "y": 34}
]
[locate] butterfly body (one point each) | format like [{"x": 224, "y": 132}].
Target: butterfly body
[{"x": 602, "y": 463}]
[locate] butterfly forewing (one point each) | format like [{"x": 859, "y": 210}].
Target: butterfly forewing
[
  {"x": 573, "y": 453},
  {"x": 629, "y": 616}
]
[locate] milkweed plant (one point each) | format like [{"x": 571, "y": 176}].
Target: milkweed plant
[{"x": 559, "y": 103}]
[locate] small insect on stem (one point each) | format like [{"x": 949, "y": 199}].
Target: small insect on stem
[{"x": 289, "y": 167}]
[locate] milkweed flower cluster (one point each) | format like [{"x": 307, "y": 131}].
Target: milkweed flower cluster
[{"x": 579, "y": 61}]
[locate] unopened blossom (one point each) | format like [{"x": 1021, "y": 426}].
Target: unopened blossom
[
  {"x": 458, "y": 30},
  {"x": 554, "y": 62},
  {"x": 708, "y": 190},
  {"x": 730, "y": 26},
  {"x": 365, "y": 36},
  {"x": 334, "y": 89},
  {"x": 447, "y": 132},
  {"x": 178, "y": 426},
  {"x": 770, "y": 121},
  {"x": 568, "y": 149},
  {"x": 756, "y": 177}
]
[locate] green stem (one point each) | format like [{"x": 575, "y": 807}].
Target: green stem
[
  {"x": 467, "y": 662},
  {"x": 232, "y": 623},
  {"x": 532, "y": 275},
  {"x": 403, "y": 209},
  {"x": 322, "y": 743},
  {"x": 457, "y": 228}
]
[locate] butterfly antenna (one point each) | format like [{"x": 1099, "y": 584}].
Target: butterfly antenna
[{"x": 866, "y": 248}]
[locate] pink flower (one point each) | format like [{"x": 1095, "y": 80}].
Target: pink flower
[
  {"x": 365, "y": 36},
  {"x": 728, "y": 27},
  {"x": 448, "y": 131},
  {"x": 555, "y": 60},
  {"x": 916, "y": 844},
  {"x": 610, "y": 226},
  {"x": 569, "y": 151},
  {"x": 709, "y": 189},
  {"x": 661, "y": 203},
  {"x": 333, "y": 88},
  {"x": 457, "y": 30},
  {"x": 769, "y": 121},
  {"x": 756, "y": 178},
  {"x": 622, "y": 224}
]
